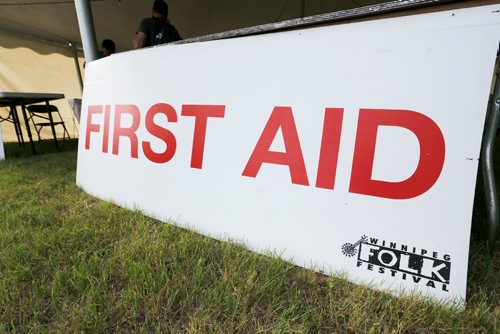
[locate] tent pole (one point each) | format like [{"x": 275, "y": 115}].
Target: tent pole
[
  {"x": 77, "y": 65},
  {"x": 87, "y": 31},
  {"x": 488, "y": 164}
]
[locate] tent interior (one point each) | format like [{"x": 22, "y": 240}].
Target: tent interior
[
  {"x": 41, "y": 48},
  {"x": 56, "y": 20},
  {"x": 40, "y": 40}
]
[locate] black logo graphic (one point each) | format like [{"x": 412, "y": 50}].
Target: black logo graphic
[
  {"x": 349, "y": 249},
  {"x": 401, "y": 261}
]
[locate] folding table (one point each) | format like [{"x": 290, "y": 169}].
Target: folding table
[{"x": 14, "y": 99}]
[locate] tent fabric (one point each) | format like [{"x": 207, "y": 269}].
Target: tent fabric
[
  {"x": 35, "y": 36},
  {"x": 118, "y": 19},
  {"x": 35, "y": 67}
]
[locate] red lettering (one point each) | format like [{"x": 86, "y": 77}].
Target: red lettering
[
  {"x": 91, "y": 127},
  {"x": 161, "y": 133},
  {"x": 105, "y": 135},
  {"x": 330, "y": 143},
  {"x": 201, "y": 114},
  {"x": 432, "y": 153},
  {"x": 281, "y": 117},
  {"x": 132, "y": 110}
]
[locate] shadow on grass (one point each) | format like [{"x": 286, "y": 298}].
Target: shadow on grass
[{"x": 14, "y": 150}]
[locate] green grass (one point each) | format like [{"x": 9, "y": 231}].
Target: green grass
[{"x": 72, "y": 263}]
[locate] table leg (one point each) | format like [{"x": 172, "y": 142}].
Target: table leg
[
  {"x": 26, "y": 121},
  {"x": 2, "y": 151},
  {"x": 52, "y": 126},
  {"x": 17, "y": 125}
]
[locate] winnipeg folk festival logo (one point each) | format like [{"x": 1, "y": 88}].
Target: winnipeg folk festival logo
[{"x": 401, "y": 261}]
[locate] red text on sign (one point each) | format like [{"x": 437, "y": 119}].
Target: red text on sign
[
  {"x": 281, "y": 120},
  {"x": 201, "y": 114}
]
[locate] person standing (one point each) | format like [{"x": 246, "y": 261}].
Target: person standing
[
  {"x": 156, "y": 29},
  {"x": 108, "y": 48}
]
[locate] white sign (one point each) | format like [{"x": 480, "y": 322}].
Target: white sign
[
  {"x": 349, "y": 148},
  {"x": 2, "y": 152}
]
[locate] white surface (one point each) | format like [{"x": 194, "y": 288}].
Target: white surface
[
  {"x": 2, "y": 152},
  {"x": 439, "y": 65}
]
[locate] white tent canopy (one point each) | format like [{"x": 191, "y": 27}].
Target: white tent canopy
[
  {"x": 56, "y": 20},
  {"x": 40, "y": 40}
]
